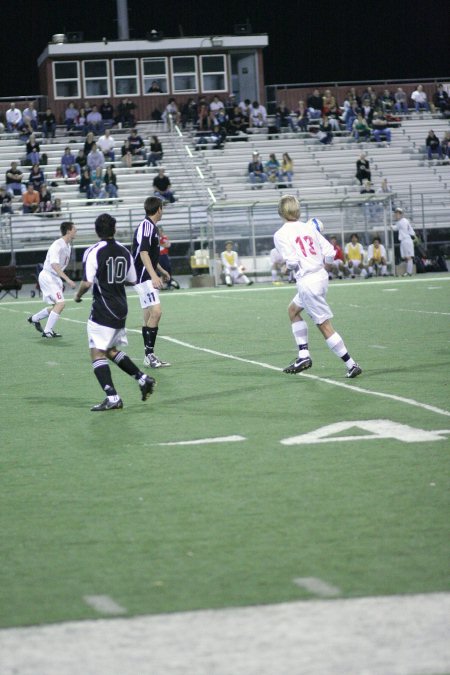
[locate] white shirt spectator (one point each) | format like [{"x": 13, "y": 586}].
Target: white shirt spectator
[
  {"x": 13, "y": 115},
  {"x": 106, "y": 143}
]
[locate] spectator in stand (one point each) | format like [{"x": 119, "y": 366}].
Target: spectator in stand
[
  {"x": 377, "y": 258},
  {"x": 171, "y": 112},
  {"x": 36, "y": 177},
  {"x": 350, "y": 114},
  {"x": 433, "y": 145},
  {"x": 331, "y": 109},
  {"x": 218, "y": 136},
  {"x": 110, "y": 180},
  {"x": 125, "y": 113},
  {"x": 369, "y": 98},
  {"x": 221, "y": 119},
  {"x": 367, "y": 188},
  {"x": 360, "y": 128},
  {"x": 164, "y": 257},
  {"x": 203, "y": 120},
  {"x": 367, "y": 111},
  {"x": 45, "y": 199},
  {"x": 256, "y": 173},
  {"x": 30, "y": 116},
  {"x": 106, "y": 145},
  {"x": 154, "y": 88},
  {"x": 55, "y": 208},
  {"x": 381, "y": 128},
  {"x": 287, "y": 169},
  {"x": 137, "y": 145},
  {"x": 49, "y": 124},
  {"x": 13, "y": 118},
  {"x": 446, "y": 145},
  {"x": 96, "y": 162},
  {"x": 258, "y": 115},
  {"x": 87, "y": 107},
  {"x": 97, "y": 190},
  {"x": 337, "y": 267},
  {"x": 88, "y": 143},
  {"x": 216, "y": 105},
  {"x": 237, "y": 122},
  {"x": 245, "y": 107},
  {"x": 85, "y": 182},
  {"x": 70, "y": 116},
  {"x": 107, "y": 113},
  {"x": 401, "y": 101},
  {"x": 30, "y": 199},
  {"x": 387, "y": 102},
  {"x": 420, "y": 99},
  {"x": 162, "y": 185},
  {"x": 302, "y": 117},
  {"x": 283, "y": 117},
  {"x": 314, "y": 103},
  {"x": 441, "y": 100},
  {"x": 229, "y": 104},
  {"x": 80, "y": 123},
  {"x": 5, "y": 201},
  {"x": 33, "y": 150},
  {"x": 125, "y": 151},
  {"x": 272, "y": 168},
  {"x": 325, "y": 133},
  {"x": 68, "y": 159},
  {"x": 354, "y": 257},
  {"x": 81, "y": 159},
  {"x": 14, "y": 177},
  {"x": 95, "y": 121},
  {"x": 189, "y": 114},
  {"x": 73, "y": 175},
  {"x": 363, "y": 168}
]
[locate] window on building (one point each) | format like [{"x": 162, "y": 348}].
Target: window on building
[
  {"x": 184, "y": 74},
  {"x": 96, "y": 78},
  {"x": 213, "y": 73},
  {"x": 125, "y": 77},
  {"x": 66, "y": 78},
  {"x": 154, "y": 72}
]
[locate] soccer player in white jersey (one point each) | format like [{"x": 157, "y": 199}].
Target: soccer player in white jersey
[
  {"x": 232, "y": 269},
  {"x": 406, "y": 236},
  {"x": 306, "y": 251},
  {"x": 51, "y": 281}
]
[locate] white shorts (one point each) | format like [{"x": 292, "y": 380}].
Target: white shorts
[
  {"x": 312, "y": 292},
  {"x": 104, "y": 337},
  {"x": 51, "y": 287},
  {"x": 148, "y": 294},
  {"x": 407, "y": 248}
]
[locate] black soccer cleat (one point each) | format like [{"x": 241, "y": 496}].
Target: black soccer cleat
[
  {"x": 36, "y": 324},
  {"x": 51, "y": 334},
  {"x": 354, "y": 371},
  {"x": 108, "y": 405},
  {"x": 147, "y": 388},
  {"x": 298, "y": 366}
]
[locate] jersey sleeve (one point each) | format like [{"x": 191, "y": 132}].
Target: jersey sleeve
[{"x": 90, "y": 265}]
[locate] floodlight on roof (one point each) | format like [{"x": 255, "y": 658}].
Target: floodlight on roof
[{"x": 59, "y": 38}]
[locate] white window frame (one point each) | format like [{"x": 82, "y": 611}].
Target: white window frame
[
  {"x": 174, "y": 75},
  {"x": 155, "y": 77},
  {"x": 216, "y": 72},
  {"x": 66, "y": 79},
  {"x": 124, "y": 77},
  {"x": 89, "y": 79}
]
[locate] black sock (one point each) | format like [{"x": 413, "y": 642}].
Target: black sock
[
  {"x": 149, "y": 335},
  {"x": 103, "y": 374},
  {"x": 126, "y": 364}
]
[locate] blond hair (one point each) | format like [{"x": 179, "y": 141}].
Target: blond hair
[{"x": 289, "y": 207}]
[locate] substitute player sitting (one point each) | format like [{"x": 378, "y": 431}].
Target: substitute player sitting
[
  {"x": 377, "y": 258},
  {"x": 51, "y": 281},
  {"x": 231, "y": 267},
  {"x": 354, "y": 257},
  {"x": 337, "y": 267}
]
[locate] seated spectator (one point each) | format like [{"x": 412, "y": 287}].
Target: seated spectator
[
  {"x": 137, "y": 145},
  {"x": 220, "y": 119},
  {"x": 88, "y": 143},
  {"x": 94, "y": 121},
  {"x": 106, "y": 145},
  {"x": 125, "y": 113},
  {"x": 218, "y": 136},
  {"x": 125, "y": 151},
  {"x": 350, "y": 115},
  {"x": 107, "y": 113},
  {"x": 363, "y": 168},
  {"x": 377, "y": 258},
  {"x": 204, "y": 119},
  {"x": 97, "y": 190},
  {"x": 387, "y": 102},
  {"x": 237, "y": 122},
  {"x": 68, "y": 159},
  {"x": 360, "y": 129},
  {"x": 369, "y": 98},
  {"x": 331, "y": 109},
  {"x": 154, "y": 88},
  {"x": 287, "y": 169},
  {"x": 49, "y": 124},
  {"x": 73, "y": 174},
  {"x": 272, "y": 168},
  {"x": 433, "y": 145},
  {"x": 354, "y": 257},
  {"x": 245, "y": 107},
  {"x": 325, "y": 133},
  {"x": 55, "y": 208},
  {"x": 283, "y": 117},
  {"x": 33, "y": 150},
  {"x": 441, "y": 100},
  {"x": 257, "y": 115},
  {"x": 401, "y": 103},
  {"x": 81, "y": 159},
  {"x": 70, "y": 116},
  {"x": 30, "y": 116},
  {"x": 420, "y": 99},
  {"x": 256, "y": 171},
  {"x": 96, "y": 162},
  {"x": 85, "y": 181},
  {"x": 229, "y": 104},
  {"x": 171, "y": 112},
  {"x": 367, "y": 188},
  {"x": 5, "y": 201},
  {"x": 14, "y": 177},
  {"x": 216, "y": 105},
  {"x": 162, "y": 185},
  {"x": 367, "y": 112},
  {"x": 337, "y": 267},
  {"x": 380, "y": 128},
  {"x": 13, "y": 118},
  {"x": 385, "y": 189},
  {"x": 36, "y": 177},
  {"x": 80, "y": 122},
  {"x": 110, "y": 180},
  {"x": 302, "y": 115},
  {"x": 30, "y": 199},
  {"x": 314, "y": 103},
  {"x": 45, "y": 199},
  {"x": 189, "y": 113},
  {"x": 446, "y": 145}
]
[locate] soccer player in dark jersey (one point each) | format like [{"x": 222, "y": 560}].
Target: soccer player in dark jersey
[
  {"x": 145, "y": 251},
  {"x": 108, "y": 266}
]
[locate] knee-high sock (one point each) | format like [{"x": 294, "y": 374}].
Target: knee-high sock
[
  {"x": 300, "y": 333},
  {"x": 149, "y": 335},
  {"x": 103, "y": 374},
  {"x": 51, "y": 321},
  {"x": 41, "y": 315},
  {"x": 126, "y": 364},
  {"x": 336, "y": 344}
]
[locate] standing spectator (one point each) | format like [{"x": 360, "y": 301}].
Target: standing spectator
[
  {"x": 145, "y": 251},
  {"x": 406, "y": 236},
  {"x": 33, "y": 150},
  {"x": 30, "y": 199},
  {"x": 232, "y": 268},
  {"x": 256, "y": 171},
  {"x": 363, "y": 168},
  {"x": 94, "y": 121},
  {"x": 440, "y": 99},
  {"x": 377, "y": 258},
  {"x": 287, "y": 169},
  {"x": 420, "y": 99},
  {"x": 110, "y": 180},
  {"x": 51, "y": 281},
  {"x": 107, "y": 267},
  {"x": 137, "y": 145},
  {"x": 14, "y": 176},
  {"x": 36, "y": 176},
  {"x": 314, "y": 103},
  {"x": 70, "y": 116},
  {"x": 433, "y": 145},
  {"x": 13, "y": 118},
  {"x": 106, "y": 145},
  {"x": 162, "y": 185},
  {"x": 156, "y": 152},
  {"x": 304, "y": 249},
  {"x": 107, "y": 113},
  {"x": 401, "y": 101},
  {"x": 96, "y": 162},
  {"x": 49, "y": 124},
  {"x": 30, "y": 116},
  {"x": 68, "y": 159}
]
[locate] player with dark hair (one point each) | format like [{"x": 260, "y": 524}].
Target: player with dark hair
[
  {"x": 108, "y": 266},
  {"x": 51, "y": 281},
  {"x": 145, "y": 251}
]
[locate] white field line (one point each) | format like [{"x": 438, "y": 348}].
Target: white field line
[
  {"x": 104, "y": 604},
  {"x": 207, "y": 441},
  {"x": 318, "y": 587}
]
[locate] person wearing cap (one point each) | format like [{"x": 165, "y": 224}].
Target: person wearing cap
[
  {"x": 406, "y": 236},
  {"x": 256, "y": 172},
  {"x": 231, "y": 267}
]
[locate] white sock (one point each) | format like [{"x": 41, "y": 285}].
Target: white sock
[
  {"x": 336, "y": 344},
  {"x": 300, "y": 333},
  {"x": 409, "y": 266},
  {"x": 383, "y": 269},
  {"x": 52, "y": 319},
  {"x": 43, "y": 314},
  {"x": 274, "y": 275},
  {"x": 370, "y": 269}
]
